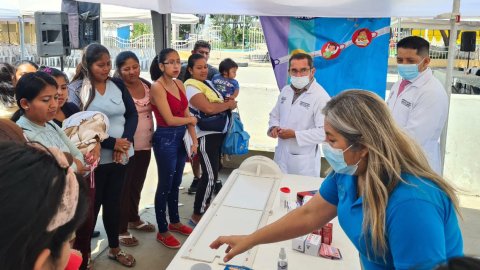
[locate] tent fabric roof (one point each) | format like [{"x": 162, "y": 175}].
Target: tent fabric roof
[
  {"x": 8, "y": 11},
  {"x": 419, "y": 23},
  {"x": 125, "y": 14},
  {"x": 312, "y": 8},
  {"x": 11, "y": 9}
]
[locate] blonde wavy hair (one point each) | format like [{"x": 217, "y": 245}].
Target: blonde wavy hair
[{"x": 363, "y": 118}]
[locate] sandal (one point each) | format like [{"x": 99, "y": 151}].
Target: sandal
[
  {"x": 129, "y": 236},
  {"x": 193, "y": 224},
  {"x": 122, "y": 253},
  {"x": 89, "y": 264},
  {"x": 145, "y": 223}
]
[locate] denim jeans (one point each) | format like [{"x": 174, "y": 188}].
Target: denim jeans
[{"x": 170, "y": 154}]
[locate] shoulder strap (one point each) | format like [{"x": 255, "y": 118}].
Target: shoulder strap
[{"x": 52, "y": 125}]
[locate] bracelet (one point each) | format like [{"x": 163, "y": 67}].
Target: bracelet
[{"x": 196, "y": 145}]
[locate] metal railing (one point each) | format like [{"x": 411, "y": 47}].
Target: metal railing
[
  {"x": 257, "y": 45},
  {"x": 145, "y": 41}
]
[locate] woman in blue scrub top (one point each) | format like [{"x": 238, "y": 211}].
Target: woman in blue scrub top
[{"x": 394, "y": 208}]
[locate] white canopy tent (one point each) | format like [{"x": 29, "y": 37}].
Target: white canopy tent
[
  {"x": 469, "y": 24},
  {"x": 11, "y": 10},
  {"x": 314, "y": 8},
  {"x": 131, "y": 15},
  {"x": 8, "y": 12}
]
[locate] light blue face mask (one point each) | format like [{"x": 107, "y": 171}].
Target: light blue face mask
[
  {"x": 337, "y": 161},
  {"x": 409, "y": 71}
]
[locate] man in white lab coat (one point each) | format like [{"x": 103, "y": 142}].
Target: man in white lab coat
[
  {"x": 297, "y": 120},
  {"x": 419, "y": 102}
]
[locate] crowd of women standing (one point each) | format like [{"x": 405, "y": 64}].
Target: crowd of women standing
[{"x": 115, "y": 170}]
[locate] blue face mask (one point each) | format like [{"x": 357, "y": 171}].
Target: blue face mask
[
  {"x": 337, "y": 161},
  {"x": 409, "y": 71}
]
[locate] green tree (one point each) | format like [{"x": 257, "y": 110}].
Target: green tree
[
  {"x": 232, "y": 28},
  {"x": 140, "y": 29}
]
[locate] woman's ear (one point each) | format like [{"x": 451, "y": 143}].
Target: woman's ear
[
  {"x": 24, "y": 104},
  {"x": 190, "y": 70},
  {"x": 161, "y": 67},
  {"x": 42, "y": 261},
  {"x": 364, "y": 150}
]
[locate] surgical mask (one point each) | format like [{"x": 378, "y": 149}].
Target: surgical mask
[
  {"x": 409, "y": 71},
  {"x": 300, "y": 82},
  {"x": 337, "y": 161}
]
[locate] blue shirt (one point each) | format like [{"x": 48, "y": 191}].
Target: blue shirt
[
  {"x": 421, "y": 222},
  {"x": 225, "y": 86},
  {"x": 112, "y": 105}
]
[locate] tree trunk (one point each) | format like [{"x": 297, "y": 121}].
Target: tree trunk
[
  {"x": 445, "y": 36},
  {"x": 234, "y": 35}
]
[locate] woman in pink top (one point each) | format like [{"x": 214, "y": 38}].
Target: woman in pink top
[{"x": 128, "y": 68}]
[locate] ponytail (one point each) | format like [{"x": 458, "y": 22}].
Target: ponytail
[
  {"x": 17, "y": 115},
  {"x": 155, "y": 71}
]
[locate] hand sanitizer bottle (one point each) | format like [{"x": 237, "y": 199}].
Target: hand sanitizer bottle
[{"x": 282, "y": 260}]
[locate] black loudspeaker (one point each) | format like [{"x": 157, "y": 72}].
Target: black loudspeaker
[
  {"x": 469, "y": 40},
  {"x": 51, "y": 29},
  {"x": 84, "y": 21}
]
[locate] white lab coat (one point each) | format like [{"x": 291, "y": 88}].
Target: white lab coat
[
  {"x": 422, "y": 109},
  {"x": 300, "y": 155}
]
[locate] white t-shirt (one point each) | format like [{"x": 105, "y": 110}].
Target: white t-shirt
[{"x": 192, "y": 91}]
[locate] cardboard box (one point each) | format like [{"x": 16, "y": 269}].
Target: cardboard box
[
  {"x": 306, "y": 198},
  {"x": 291, "y": 205},
  {"x": 312, "y": 244},
  {"x": 299, "y": 243},
  {"x": 302, "y": 194},
  {"x": 327, "y": 234}
]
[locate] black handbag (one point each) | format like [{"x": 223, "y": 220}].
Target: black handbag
[{"x": 214, "y": 122}]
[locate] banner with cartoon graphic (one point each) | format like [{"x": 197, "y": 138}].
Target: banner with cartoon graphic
[{"x": 348, "y": 53}]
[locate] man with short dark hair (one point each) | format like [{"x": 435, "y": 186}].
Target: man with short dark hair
[
  {"x": 201, "y": 47},
  {"x": 419, "y": 102},
  {"x": 297, "y": 120}
]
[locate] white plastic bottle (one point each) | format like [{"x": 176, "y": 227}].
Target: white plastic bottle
[{"x": 282, "y": 260}]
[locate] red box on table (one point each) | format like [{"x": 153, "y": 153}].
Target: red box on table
[{"x": 327, "y": 234}]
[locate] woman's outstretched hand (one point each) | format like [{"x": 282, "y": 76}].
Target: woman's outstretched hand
[{"x": 237, "y": 244}]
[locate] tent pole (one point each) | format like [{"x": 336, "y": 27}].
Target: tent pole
[
  {"x": 399, "y": 31},
  {"x": 243, "y": 38},
  {"x": 452, "y": 46},
  {"x": 8, "y": 28},
  {"x": 22, "y": 37}
]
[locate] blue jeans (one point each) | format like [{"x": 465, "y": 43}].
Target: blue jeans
[{"x": 170, "y": 154}]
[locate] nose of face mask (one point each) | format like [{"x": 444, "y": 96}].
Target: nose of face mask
[
  {"x": 409, "y": 71},
  {"x": 336, "y": 159},
  {"x": 300, "y": 82}
]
